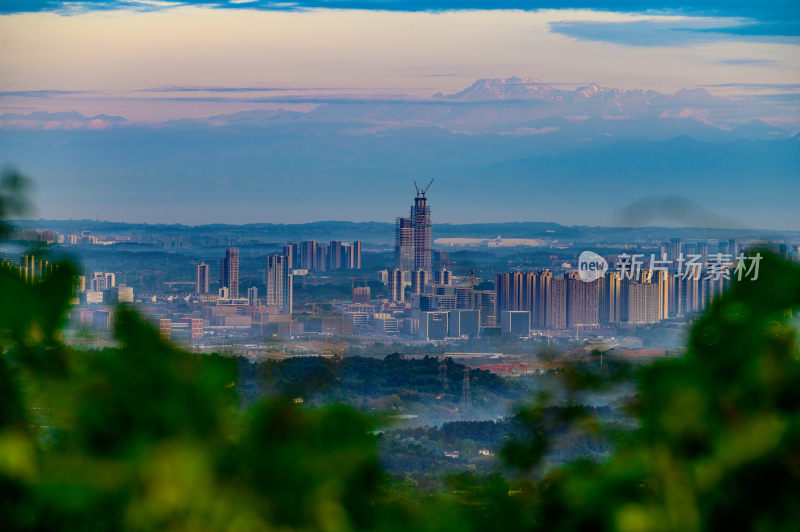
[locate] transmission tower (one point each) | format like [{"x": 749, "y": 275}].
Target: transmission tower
[
  {"x": 466, "y": 395},
  {"x": 443, "y": 375}
]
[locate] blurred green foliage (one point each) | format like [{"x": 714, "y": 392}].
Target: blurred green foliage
[
  {"x": 718, "y": 447},
  {"x": 14, "y": 189},
  {"x": 146, "y": 436}
]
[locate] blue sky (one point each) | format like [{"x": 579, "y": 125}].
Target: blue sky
[
  {"x": 97, "y": 75},
  {"x": 757, "y": 19},
  {"x": 119, "y": 57}
]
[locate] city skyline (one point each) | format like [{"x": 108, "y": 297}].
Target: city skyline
[
  {"x": 420, "y": 293},
  {"x": 453, "y": 265}
]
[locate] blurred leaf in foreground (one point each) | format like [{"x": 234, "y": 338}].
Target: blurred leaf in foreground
[{"x": 14, "y": 188}]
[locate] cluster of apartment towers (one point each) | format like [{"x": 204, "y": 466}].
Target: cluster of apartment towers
[
  {"x": 296, "y": 258},
  {"x": 523, "y": 302},
  {"x": 541, "y": 300}
]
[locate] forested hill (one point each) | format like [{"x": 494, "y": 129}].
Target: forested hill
[{"x": 394, "y": 385}]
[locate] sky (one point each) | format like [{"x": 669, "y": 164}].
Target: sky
[
  {"x": 141, "y": 73},
  {"x": 120, "y": 58}
]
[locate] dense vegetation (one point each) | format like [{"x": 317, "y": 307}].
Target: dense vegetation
[
  {"x": 394, "y": 385},
  {"x": 426, "y": 454},
  {"x": 146, "y": 436}
]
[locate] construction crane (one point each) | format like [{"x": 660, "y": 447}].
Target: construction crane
[
  {"x": 422, "y": 191},
  {"x": 353, "y": 281},
  {"x": 445, "y": 264}
]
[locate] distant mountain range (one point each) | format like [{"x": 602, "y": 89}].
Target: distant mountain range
[
  {"x": 513, "y": 106},
  {"x": 500, "y": 150},
  {"x": 11, "y": 119},
  {"x": 516, "y": 88}
]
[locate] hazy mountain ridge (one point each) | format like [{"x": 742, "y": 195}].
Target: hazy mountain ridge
[
  {"x": 574, "y": 164},
  {"x": 516, "y": 88},
  {"x": 491, "y": 106}
]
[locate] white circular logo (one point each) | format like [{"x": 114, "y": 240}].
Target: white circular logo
[{"x": 591, "y": 266}]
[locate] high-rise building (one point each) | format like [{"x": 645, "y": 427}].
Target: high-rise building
[
  {"x": 404, "y": 245},
  {"x": 421, "y": 221},
  {"x": 103, "y": 281},
  {"x": 443, "y": 276},
  {"x": 675, "y": 249},
  {"x": 322, "y": 258},
  {"x": 733, "y": 247},
  {"x": 516, "y": 291},
  {"x": 556, "y": 304},
  {"x": 419, "y": 278},
  {"x": 229, "y": 272},
  {"x": 395, "y": 286},
  {"x": 503, "y": 295},
  {"x": 336, "y": 255},
  {"x": 383, "y": 276},
  {"x": 308, "y": 255},
  {"x": 702, "y": 250},
  {"x": 355, "y": 257},
  {"x": 290, "y": 251},
  {"x": 465, "y": 297},
  {"x": 690, "y": 294},
  {"x": 665, "y": 282},
  {"x": 485, "y": 303},
  {"x": 610, "y": 298},
  {"x": 508, "y": 287},
  {"x": 639, "y": 302},
  {"x": 583, "y": 302},
  {"x": 201, "y": 278},
  {"x": 541, "y": 299},
  {"x": 252, "y": 296},
  {"x": 347, "y": 256},
  {"x": 279, "y": 284}
]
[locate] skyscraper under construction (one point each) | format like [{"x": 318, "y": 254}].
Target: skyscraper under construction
[{"x": 413, "y": 235}]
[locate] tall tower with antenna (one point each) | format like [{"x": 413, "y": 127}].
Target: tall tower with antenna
[
  {"x": 466, "y": 396},
  {"x": 421, "y": 224}
]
